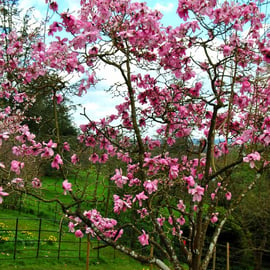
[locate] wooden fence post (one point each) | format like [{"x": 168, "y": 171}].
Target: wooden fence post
[
  {"x": 88, "y": 251},
  {"x": 228, "y": 256}
]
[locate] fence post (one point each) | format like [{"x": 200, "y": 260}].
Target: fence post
[
  {"x": 60, "y": 238},
  {"x": 228, "y": 256},
  {"x": 15, "y": 240},
  {"x": 39, "y": 234},
  {"x": 88, "y": 251}
]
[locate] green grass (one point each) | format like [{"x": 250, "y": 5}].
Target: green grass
[{"x": 108, "y": 258}]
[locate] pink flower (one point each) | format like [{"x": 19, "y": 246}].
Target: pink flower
[
  {"x": 143, "y": 213},
  {"x": 54, "y": 6},
  {"x": 59, "y": 98},
  {"x": 181, "y": 206},
  {"x": 71, "y": 226},
  {"x": 151, "y": 186},
  {"x": 228, "y": 195},
  {"x": 173, "y": 174},
  {"x": 227, "y": 50},
  {"x": 181, "y": 220},
  {"x": 119, "y": 179},
  {"x": 66, "y": 146},
  {"x": 3, "y": 136},
  {"x": 51, "y": 144},
  {"x": 57, "y": 161},
  {"x": 78, "y": 233},
  {"x": 74, "y": 159},
  {"x": 66, "y": 186},
  {"x": 94, "y": 158},
  {"x": 161, "y": 221},
  {"x": 103, "y": 158},
  {"x": 144, "y": 239},
  {"x": 197, "y": 193},
  {"x": 120, "y": 205},
  {"x": 140, "y": 197},
  {"x": 251, "y": 158},
  {"x": 2, "y": 193},
  {"x": 18, "y": 181},
  {"x": 214, "y": 217},
  {"x": 16, "y": 166},
  {"x": 266, "y": 55},
  {"x": 190, "y": 180},
  {"x": 36, "y": 183}
]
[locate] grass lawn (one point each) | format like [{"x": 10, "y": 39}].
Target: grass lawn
[{"x": 26, "y": 257}]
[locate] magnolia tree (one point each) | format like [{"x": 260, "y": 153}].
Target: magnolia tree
[{"x": 205, "y": 78}]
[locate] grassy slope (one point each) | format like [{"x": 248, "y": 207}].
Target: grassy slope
[{"x": 109, "y": 259}]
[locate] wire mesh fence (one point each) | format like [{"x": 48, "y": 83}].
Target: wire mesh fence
[{"x": 22, "y": 238}]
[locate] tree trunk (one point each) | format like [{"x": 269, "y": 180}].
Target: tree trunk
[{"x": 258, "y": 260}]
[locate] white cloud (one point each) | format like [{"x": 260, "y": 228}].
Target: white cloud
[
  {"x": 164, "y": 8},
  {"x": 97, "y": 104}
]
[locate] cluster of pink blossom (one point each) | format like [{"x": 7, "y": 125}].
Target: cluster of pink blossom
[{"x": 95, "y": 222}]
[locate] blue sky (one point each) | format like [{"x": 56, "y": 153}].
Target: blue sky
[{"x": 168, "y": 8}]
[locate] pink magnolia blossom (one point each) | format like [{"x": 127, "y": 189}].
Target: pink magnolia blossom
[
  {"x": 3, "y": 136},
  {"x": 190, "y": 180},
  {"x": 120, "y": 205},
  {"x": 181, "y": 206},
  {"x": 50, "y": 144},
  {"x": 16, "y": 166},
  {"x": 197, "y": 193},
  {"x": 266, "y": 55},
  {"x": 74, "y": 159},
  {"x": 161, "y": 221},
  {"x": 79, "y": 234},
  {"x": 71, "y": 227},
  {"x": 143, "y": 212},
  {"x": 57, "y": 161},
  {"x": 251, "y": 158},
  {"x": 228, "y": 196},
  {"x": 227, "y": 50},
  {"x": 119, "y": 179},
  {"x": 174, "y": 170},
  {"x": 140, "y": 197},
  {"x": 214, "y": 217},
  {"x": 66, "y": 186},
  {"x": 2, "y": 194},
  {"x": 36, "y": 183},
  {"x": 181, "y": 220},
  {"x": 59, "y": 98},
  {"x": 66, "y": 146},
  {"x": 144, "y": 239},
  {"x": 18, "y": 181},
  {"x": 94, "y": 158},
  {"x": 151, "y": 186}
]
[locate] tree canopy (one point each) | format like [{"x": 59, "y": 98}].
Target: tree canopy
[{"x": 205, "y": 78}]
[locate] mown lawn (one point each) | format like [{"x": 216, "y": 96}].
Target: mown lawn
[{"x": 73, "y": 252}]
